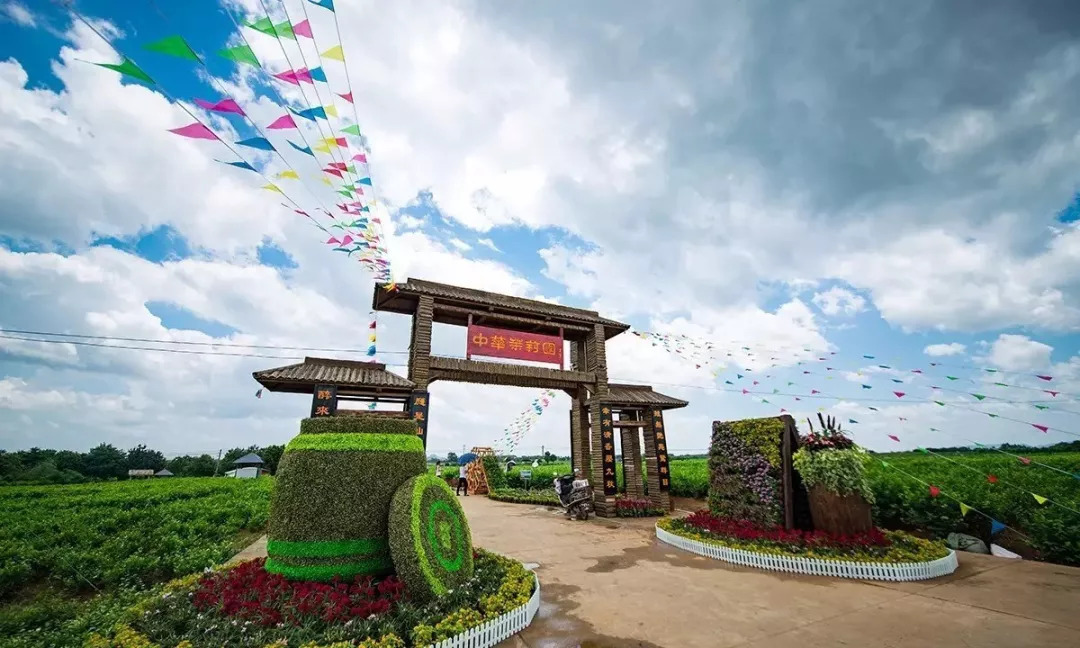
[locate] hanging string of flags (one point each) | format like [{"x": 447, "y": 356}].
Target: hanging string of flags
[
  {"x": 525, "y": 421},
  {"x": 356, "y": 230}
]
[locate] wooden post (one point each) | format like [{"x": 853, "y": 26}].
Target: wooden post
[
  {"x": 786, "y": 469},
  {"x": 468, "y": 349},
  {"x": 420, "y": 347},
  {"x": 656, "y": 461}
]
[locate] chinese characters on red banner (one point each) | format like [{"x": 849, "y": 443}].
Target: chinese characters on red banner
[{"x": 501, "y": 343}]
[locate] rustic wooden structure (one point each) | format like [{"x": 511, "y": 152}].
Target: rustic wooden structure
[
  {"x": 476, "y": 474},
  {"x": 638, "y": 414},
  {"x": 585, "y": 381},
  {"x": 841, "y": 514}
]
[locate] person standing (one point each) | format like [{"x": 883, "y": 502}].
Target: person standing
[
  {"x": 438, "y": 469},
  {"x": 462, "y": 482}
]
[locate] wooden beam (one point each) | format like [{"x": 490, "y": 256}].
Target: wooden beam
[{"x": 464, "y": 312}]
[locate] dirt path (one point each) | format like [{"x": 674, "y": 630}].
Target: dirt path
[{"x": 608, "y": 583}]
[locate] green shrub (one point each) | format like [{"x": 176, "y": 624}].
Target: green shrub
[
  {"x": 840, "y": 471},
  {"x": 331, "y": 506},
  {"x": 522, "y": 496},
  {"x": 362, "y": 424},
  {"x": 496, "y": 476},
  {"x": 429, "y": 538},
  {"x": 745, "y": 470}
]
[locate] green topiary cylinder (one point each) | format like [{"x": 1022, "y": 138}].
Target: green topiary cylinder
[{"x": 331, "y": 501}]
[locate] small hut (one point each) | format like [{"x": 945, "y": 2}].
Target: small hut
[
  {"x": 163, "y": 473},
  {"x": 249, "y": 466}
]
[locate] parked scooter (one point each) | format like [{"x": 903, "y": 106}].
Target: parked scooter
[{"x": 575, "y": 496}]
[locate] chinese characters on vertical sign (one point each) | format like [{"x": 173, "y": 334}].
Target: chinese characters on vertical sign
[
  {"x": 661, "y": 450},
  {"x": 501, "y": 343},
  {"x": 324, "y": 402},
  {"x": 607, "y": 446},
  {"x": 418, "y": 410}
]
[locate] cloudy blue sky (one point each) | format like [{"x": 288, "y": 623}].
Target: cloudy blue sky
[{"x": 837, "y": 180}]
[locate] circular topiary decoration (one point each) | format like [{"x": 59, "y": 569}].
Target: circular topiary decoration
[{"x": 429, "y": 538}]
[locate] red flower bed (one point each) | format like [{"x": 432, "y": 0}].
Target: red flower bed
[
  {"x": 634, "y": 507},
  {"x": 250, "y": 593},
  {"x": 706, "y": 522}
]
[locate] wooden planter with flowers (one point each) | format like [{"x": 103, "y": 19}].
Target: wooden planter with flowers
[{"x": 833, "y": 469}]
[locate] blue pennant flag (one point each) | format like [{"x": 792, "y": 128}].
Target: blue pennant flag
[
  {"x": 260, "y": 143},
  {"x": 852, "y": 421},
  {"x": 325, "y": 4},
  {"x": 371, "y": 350},
  {"x": 302, "y": 149},
  {"x": 317, "y": 74},
  {"x": 365, "y": 181},
  {"x": 310, "y": 113},
  {"x": 996, "y": 527},
  {"x": 240, "y": 165}
]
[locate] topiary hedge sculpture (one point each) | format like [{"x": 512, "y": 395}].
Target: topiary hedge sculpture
[
  {"x": 331, "y": 502},
  {"x": 429, "y": 538}
]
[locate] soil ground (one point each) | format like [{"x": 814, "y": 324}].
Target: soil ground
[{"x": 610, "y": 583}]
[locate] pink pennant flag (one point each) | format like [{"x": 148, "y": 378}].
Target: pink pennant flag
[
  {"x": 304, "y": 74},
  {"x": 1025, "y": 461},
  {"x": 894, "y": 438},
  {"x": 1040, "y": 427},
  {"x": 899, "y": 394},
  {"x": 814, "y": 391},
  {"x": 1052, "y": 393},
  {"x": 345, "y": 241},
  {"x": 745, "y": 392},
  {"x": 360, "y": 157},
  {"x": 195, "y": 131},
  {"x": 333, "y": 240},
  {"x": 356, "y": 204},
  {"x": 782, "y": 410},
  {"x": 347, "y": 96},
  {"x": 303, "y": 29},
  {"x": 1046, "y": 378},
  {"x": 285, "y": 121},
  {"x": 755, "y": 382},
  {"x": 224, "y": 106},
  {"x": 332, "y": 171},
  {"x": 918, "y": 371},
  {"x": 340, "y": 166},
  {"x": 934, "y": 491},
  {"x": 288, "y": 76},
  {"x": 302, "y": 212}
]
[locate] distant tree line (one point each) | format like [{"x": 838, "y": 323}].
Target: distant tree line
[
  {"x": 547, "y": 457},
  {"x": 107, "y": 462}
]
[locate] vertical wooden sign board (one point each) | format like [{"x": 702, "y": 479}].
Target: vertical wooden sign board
[
  {"x": 418, "y": 410},
  {"x": 324, "y": 401},
  {"x": 608, "y": 448},
  {"x": 661, "y": 450}
]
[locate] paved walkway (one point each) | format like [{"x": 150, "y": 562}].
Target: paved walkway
[{"x": 610, "y": 583}]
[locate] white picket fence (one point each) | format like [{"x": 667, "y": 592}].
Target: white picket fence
[
  {"x": 817, "y": 566},
  {"x": 494, "y": 631}
]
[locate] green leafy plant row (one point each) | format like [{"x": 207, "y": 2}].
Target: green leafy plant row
[
  {"x": 366, "y": 424},
  {"x": 522, "y": 496}
]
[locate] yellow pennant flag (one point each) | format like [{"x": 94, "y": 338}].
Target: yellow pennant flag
[
  {"x": 371, "y": 338},
  {"x": 326, "y": 181},
  {"x": 273, "y": 187},
  {"x": 964, "y": 508},
  {"x": 289, "y": 174},
  {"x": 331, "y": 110},
  {"x": 1040, "y": 499},
  {"x": 321, "y": 148},
  {"x": 335, "y": 53}
]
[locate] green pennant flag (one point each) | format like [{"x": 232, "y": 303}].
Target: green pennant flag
[
  {"x": 1001, "y": 384},
  {"x": 935, "y": 430},
  {"x": 924, "y": 451},
  {"x": 952, "y": 377},
  {"x": 940, "y": 403},
  {"x": 347, "y": 194},
  {"x": 979, "y": 396},
  {"x": 978, "y": 444},
  {"x": 173, "y": 46},
  {"x": 351, "y": 129},
  {"x": 885, "y": 463},
  {"x": 1043, "y": 407},
  {"x": 991, "y": 415},
  {"x": 263, "y": 25},
  {"x": 284, "y": 30},
  {"x": 764, "y": 401},
  {"x": 129, "y": 68},
  {"x": 240, "y": 54}
]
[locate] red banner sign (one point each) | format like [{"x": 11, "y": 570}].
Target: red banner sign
[{"x": 501, "y": 343}]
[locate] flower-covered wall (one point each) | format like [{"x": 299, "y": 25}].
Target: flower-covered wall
[{"x": 746, "y": 470}]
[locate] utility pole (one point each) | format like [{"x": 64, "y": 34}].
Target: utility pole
[{"x": 218, "y": 464}]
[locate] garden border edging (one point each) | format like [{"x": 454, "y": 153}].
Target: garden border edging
[
  {"x": 816, "y": 566},
  {"x": 500, "y": 628}
]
